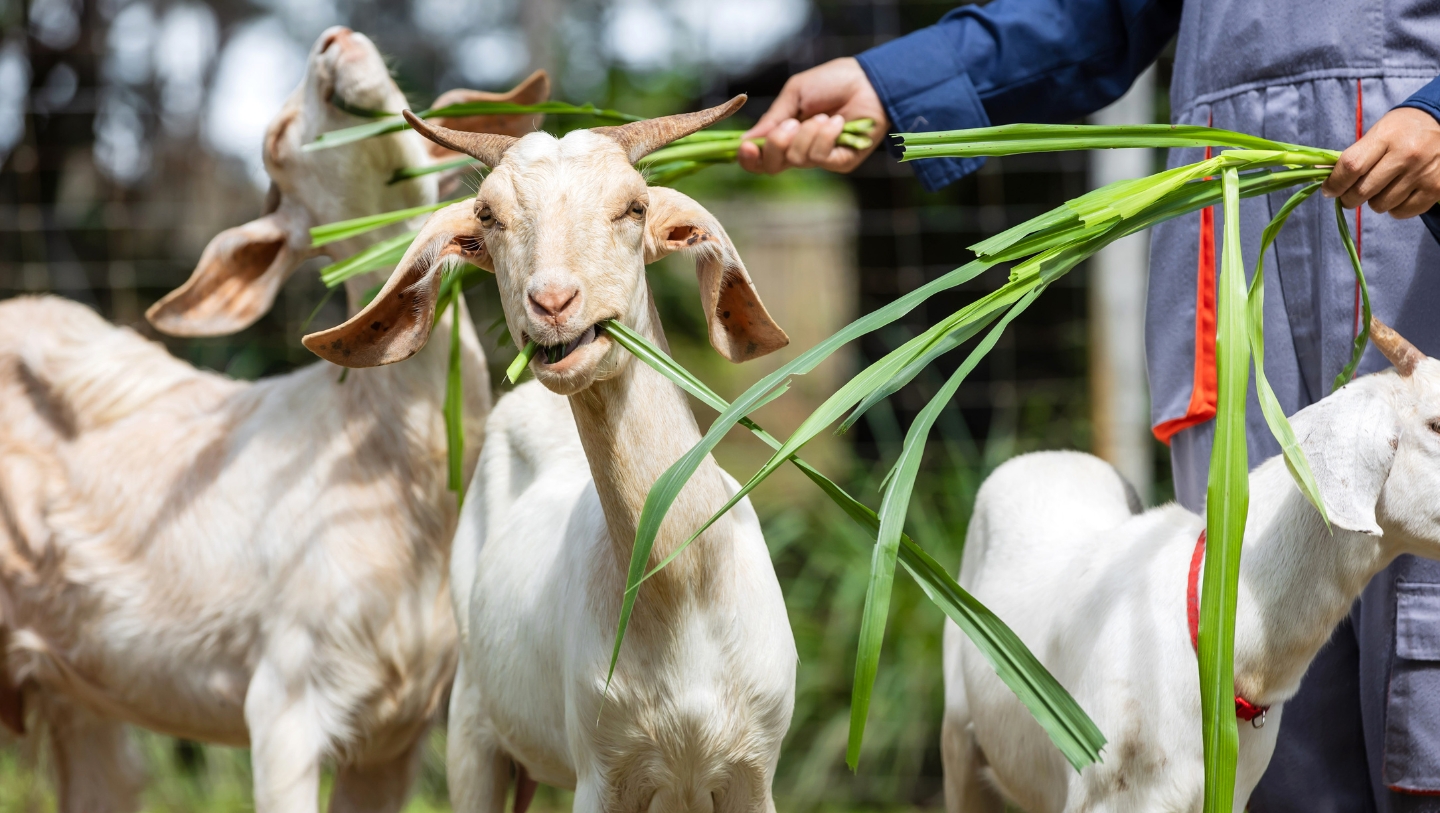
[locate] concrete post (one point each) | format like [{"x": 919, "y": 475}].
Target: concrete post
[{"x": 1119, "y": 395}]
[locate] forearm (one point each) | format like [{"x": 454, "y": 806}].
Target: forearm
[{"x": 1015, "y": 61}]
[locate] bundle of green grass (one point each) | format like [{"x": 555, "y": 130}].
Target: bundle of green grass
[{"x": 1039, "y": 252}]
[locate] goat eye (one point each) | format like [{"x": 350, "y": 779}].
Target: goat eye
[
  {"x": 637, "y": 209},
  {"x": 1435, "y": 425},
  {"x": 487, "y": 217}
]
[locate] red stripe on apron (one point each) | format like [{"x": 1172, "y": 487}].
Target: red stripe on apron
[{"x": 1204, "y": 392}]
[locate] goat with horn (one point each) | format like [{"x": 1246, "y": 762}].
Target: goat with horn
[
  {"x": 1125, "y": 582},
  {"x": 704, "y": 687}
]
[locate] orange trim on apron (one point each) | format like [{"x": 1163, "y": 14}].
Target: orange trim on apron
[{"x": 1205, "y": 391}]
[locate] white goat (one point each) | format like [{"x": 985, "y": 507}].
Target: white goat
[
  {"x": 1099, "y": 592},
  {"x": 704, "y": 688},
  {"x": 249, "y": 564}
]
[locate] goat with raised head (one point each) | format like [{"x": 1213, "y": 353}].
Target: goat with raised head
[
  {"x": 1101, "y": 592},
  {"x": 704, "y": 688},
  {"x": 249, "y": 564}
]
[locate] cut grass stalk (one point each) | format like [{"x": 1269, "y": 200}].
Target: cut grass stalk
[
  {"x": 345, "y": 229},
  {"x": 380, "y": 255},
  {"x": 517, "y": 367}
]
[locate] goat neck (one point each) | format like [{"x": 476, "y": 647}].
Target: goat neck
[
  {"x": 1298, "y": 579},
  {"x": 633, "y": 425}
]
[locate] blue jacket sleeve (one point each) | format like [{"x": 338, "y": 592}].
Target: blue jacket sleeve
[
  {"x": 1428, "y": 99},
  {"x": 1015, "y": 61}
]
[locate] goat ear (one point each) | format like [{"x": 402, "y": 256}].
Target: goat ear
[
  {"x": 397, "y": 322},
  {"x": 236, "y": 280},
  {"x": 533, "y": 90},
  {"x": 740, "y": 327},
  {"x": 1349, "y": 439}
]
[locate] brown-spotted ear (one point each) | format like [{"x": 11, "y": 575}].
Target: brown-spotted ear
[
  {"x": 397, "y": 322},
  {"x": 533, "y": 90},
  {"x": 236, "y": 280},
  {"x": 740, "y": 327}
]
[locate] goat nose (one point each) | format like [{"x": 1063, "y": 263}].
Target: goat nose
[
  {"x": 554, "y": 303},
  {"x": 336, "y": 34}
]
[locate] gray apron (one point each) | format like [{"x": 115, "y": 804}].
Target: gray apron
[{"x": 1364, "y": 733}]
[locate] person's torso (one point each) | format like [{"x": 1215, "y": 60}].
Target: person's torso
[{"x": 1226, "y": 45}]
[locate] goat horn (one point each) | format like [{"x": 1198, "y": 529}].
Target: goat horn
[
  {"x": 640, "y": 138},
  {"x": 1396, "y": 348},
  {"x": 487, "y": 148}
]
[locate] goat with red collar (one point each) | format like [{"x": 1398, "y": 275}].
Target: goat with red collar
[{"x": 1103, "y": 594}]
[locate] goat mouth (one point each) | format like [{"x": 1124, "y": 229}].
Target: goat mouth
[{"x": 556, "y": 353}]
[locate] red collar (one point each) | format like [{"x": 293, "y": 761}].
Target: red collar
[{"x": 1244, "y": 709}]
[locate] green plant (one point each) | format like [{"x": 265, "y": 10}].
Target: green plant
[{"x": 1043, "y": 249}]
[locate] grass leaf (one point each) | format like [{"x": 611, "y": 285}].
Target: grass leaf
[
  {"x": 384, "y": 253},
  {"x": 893, "y": 509},
  {"x": 444, "y": 166},
  {"x": 667, "y": 487},
  {"x": 394, "y": 123},
  {"x": 1270, "y": 405},
  {"x": 455, "y": 404},
  {"x": 1362, "y": 336},
  {"x": 345, "y": 229},
  {"x": 1012, "y": 139},
  {"x": 1227, "y": 500},
  {"x": 1072, "y": 731}
]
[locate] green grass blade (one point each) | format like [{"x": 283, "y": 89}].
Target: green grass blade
[
  {"x": 382, "y": 254},
  {"x": 947, "y": 343},
  {"x": 359, "y": 132},
  {"x": 463, "y": 109},
  {"x": 444, "y": 166},
  {"x": 1362, "y": 337},
  {"x": 1072, "y": 731},
  {"x": 1270, "y": 405},
  {"x": 455, "y": 404},
  {"x": 345, "y": 229},
  {"x": 876, "y": 376},
  {"x": 667, "y": 487},
  {"x": 517, "y": 367},
  {"x": 316, "y": 312},
  {"x": 394, "y": 123},
  {"x": 1013, "y": 139},
  {"x": 893, "y": 509},
  {"x": 359, "y": 112},
  {"x": 1227, "y": 501}
]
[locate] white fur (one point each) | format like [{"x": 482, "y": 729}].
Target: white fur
[
  {"x": 704, "y": 688},
  {"x": 249, "y": 564},
  {"x": 1099, "y": 595}
]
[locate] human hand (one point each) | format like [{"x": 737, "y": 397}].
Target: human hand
[
  {"x": 800, "y": 128},
  {"x": 1395, "y": 167}
]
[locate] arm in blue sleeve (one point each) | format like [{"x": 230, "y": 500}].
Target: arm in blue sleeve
[
  {"x": 1015, "y": 61},
  {"x": 1427, "y": 99}
]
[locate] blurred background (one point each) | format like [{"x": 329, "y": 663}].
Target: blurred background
[{"x": 130, "y": 135}]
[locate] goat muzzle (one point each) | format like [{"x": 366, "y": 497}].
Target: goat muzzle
[{"x": 1401, "y": 353}]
